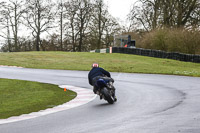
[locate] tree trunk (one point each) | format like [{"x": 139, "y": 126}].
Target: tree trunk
[
  {"x": 80, "y": 41},
  {"x": 15, "y": 35},
  {"x": 99, "y": 25},
  {"x": 61, "y": 27},
  {"x": 38, "y": 29},
  {"x": 37, "y": 43},
  {"x": 61, "y": 31}
]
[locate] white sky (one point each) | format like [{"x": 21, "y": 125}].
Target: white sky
[{"x": 119, "y": 8}]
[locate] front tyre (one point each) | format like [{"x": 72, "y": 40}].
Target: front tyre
[{"x": 107, "y": 96}]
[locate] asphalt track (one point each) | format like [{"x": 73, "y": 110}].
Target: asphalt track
[{"x": 147, "y": 103}]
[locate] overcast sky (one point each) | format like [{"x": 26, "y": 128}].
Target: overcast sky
[{"x": 119, "y": 8}]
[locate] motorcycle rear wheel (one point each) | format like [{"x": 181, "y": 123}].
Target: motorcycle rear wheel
[{"x": 107, "y": 96}]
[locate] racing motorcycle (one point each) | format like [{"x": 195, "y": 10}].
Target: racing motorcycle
[{"x": 106, "y": 89}]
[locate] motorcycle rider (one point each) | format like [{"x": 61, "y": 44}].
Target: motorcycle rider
[{"x": 99, "y": 73}]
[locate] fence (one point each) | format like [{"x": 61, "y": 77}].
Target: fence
[{"x": 158, "y": 54}]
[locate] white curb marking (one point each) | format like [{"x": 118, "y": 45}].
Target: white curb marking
[
  {"x": 10, "y": 66},
  {"x": 83, "y": 96}
]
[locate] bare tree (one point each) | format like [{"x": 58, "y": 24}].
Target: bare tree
[
  {"x": 79, "y": 14},
  {"x": 112, "y": 28},
  {"x": 100, "y": 18},
  {"x": 12, "y": 14},
  {"x": 152, "y": 14},
  {"x": 82, "y": 20},
  {"x": 185, "y": 9},
  {"x": 102, "y": 27},
  {"x": 61, "y": 13},
  {"x": 39, "y": 16},
  {"x": 180, "y": 13},
  {"x": 72, "y": 9},
  {"x": 5, "y": 25}
]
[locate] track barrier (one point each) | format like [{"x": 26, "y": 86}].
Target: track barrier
[{"x": 158, "y": 54}]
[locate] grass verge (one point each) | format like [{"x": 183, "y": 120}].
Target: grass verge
[
  {"x": 21, "y": 97},
  {"x": 111, "y": 62}
]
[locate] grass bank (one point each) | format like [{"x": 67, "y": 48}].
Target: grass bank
[
  {"x": 21, "y": 97},
  {"x": 112, "y": 62}
]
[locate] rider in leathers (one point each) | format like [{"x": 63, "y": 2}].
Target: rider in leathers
[{"x": 96, "y": 73}]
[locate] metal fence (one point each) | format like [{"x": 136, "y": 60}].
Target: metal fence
[{"x": 158, "y": 54}]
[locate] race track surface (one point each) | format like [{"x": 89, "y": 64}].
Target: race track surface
[{"x": 147, "y": 103}]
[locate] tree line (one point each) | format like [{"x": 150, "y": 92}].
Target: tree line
[
  {"x": 71, "y": 25},
  {"x": 153, "y": 14},
  {"x": 82, "y": 25}
]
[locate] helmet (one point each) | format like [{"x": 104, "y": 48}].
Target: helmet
[{"x": 95, "y": 65}]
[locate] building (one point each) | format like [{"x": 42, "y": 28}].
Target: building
[{"x": 123, "y": 41}]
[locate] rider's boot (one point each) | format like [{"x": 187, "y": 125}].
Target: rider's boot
[
  {"x": 101, "y": 96},
  {"x": 95, "y": 90}
]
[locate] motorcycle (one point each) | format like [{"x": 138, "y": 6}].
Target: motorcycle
[{"x": 106, "y": 89}]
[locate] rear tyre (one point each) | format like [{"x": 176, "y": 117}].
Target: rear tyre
[{"x": 105, "y": 92}]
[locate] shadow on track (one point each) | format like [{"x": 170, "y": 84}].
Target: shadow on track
[{"x": 104, "y": 105}]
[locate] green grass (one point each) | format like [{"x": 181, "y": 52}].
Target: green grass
[
  {"x": 21, "y": 97},
  {"x": 111, "y": 62}
]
